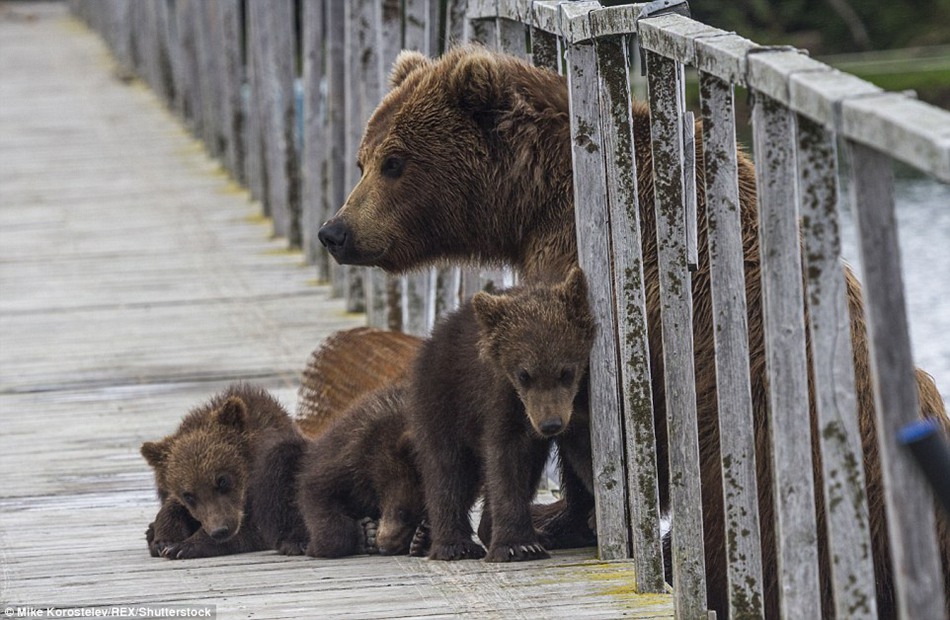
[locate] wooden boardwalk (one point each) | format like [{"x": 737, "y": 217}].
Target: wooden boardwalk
[{"x": 135, "y": 281}]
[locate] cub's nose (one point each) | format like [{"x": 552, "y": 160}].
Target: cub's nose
[
  {"x": 550, "y": 427},
  {"x": 333, "y": 236},
  {"x": 220, "y": 533}
]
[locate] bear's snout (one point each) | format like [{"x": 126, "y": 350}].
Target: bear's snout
[
  {"x": 220, "y": 533},
  {"x": 550, "y": 426},
  {"x": 336, "y": 238}
]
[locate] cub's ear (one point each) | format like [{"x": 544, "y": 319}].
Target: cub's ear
[
  {"x": 155, "y": 452},
  {"x": 406, "y": 62},
  {"x": 490, "y": 310},
  {"x": 574, "y": 287},
  {"x": 233, "y": 414},
  {"x": 477, "y": 81}
]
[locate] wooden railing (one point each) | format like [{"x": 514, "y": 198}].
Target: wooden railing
[{"x": 229, "y": 68}]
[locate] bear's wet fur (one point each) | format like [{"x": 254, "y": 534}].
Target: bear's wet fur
[
  {"x": 468, "y": 159},
  {"x": 362, "y": 468},
  {"x": 227, "y": 479},
  {"x": 496, "y": 382}
]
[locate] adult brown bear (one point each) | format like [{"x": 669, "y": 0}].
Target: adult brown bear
[{"x": 468, "y": 159}]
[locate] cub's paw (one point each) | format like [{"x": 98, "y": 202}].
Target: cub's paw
[
  {"x": 421, "y": 540},
  {"x": 367, "y": 541},
  {"x": 459, "y": 550},
  {"x": 516, "y": 553},
  {"x": 185, "y": 551},
  {"x": 292, "y": 547}
]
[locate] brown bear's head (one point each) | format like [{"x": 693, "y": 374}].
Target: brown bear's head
[
  {"x": 206, "y": 470},
  {"x": 539, "y": 338},
  {"x": 449, "y": 160},
  {"x": 402, "y": 503}
]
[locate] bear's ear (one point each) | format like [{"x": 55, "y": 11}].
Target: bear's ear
[
  {"x": 155, "y": 452},
  {"x": 233, "y": 413},
  {"x": 477, "y": 82},
  {"x": 574, "y": 287},
  {"x": 406, "y": 62},
  {"x": 489, "y": 309}
]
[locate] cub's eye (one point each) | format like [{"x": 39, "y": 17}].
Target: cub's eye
[
  {"x": 524, "y": 378},
  {"x": 567, "y": 376},
  {"x": 189, "y": 499},
  {"x": 392, "y": 167},
  {"x": 222, "y": 484}
]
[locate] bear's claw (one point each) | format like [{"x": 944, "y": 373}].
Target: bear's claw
[
  {"x": 368, "y": 543},
  {"x": 461, "y": 550},
  {"x": 516, "y": 553},
  {"x": 421, "y": 540},
  {"x": 292, "y": 547}
]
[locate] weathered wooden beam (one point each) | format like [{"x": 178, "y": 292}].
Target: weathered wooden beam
[
  {"x": 513, "y": 37},
  {"x": 314, "y": 206},
  {"x": 254, "y": 165},
  {"x": 336, "y": 149},
  {"x": 918, "y": 576},
  {"x": 731, "y": 337},
  {"x": 232, "y": 82},
  {"x": 783, "y": 318},
  {"x": 630, "y": 299},
  {"x": 593, "y": 247},
  {"x": 843, "y": 487},
  {"x": 455, "y": 22},
  {"x": 666, "y": 131}
]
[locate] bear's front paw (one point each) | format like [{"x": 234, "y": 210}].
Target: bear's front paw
[
  {"x": 368, "y": 529},
  {"x": 459, "y": 550},
  {"x": 185, "y": 551},
  {"x": 516, "y": 553},
  {"x": 292, "y": 547},
  {"x": 421, "y": 540}
]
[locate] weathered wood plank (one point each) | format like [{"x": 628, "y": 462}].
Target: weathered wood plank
[
  {"x": 513, "y": 38},
  {"x": 910, "y": 509},
  {"x": 731, "y": 337},
  {"x": 783, "y": 318},
  {"x": 255, "y": 171},
  {"x": 455, "y": 22},
  {"x": 846, "y": 507},
  {"x": 593, "y": 242},
  {"x": 313, "y": 203},
  {"x": 337, "y": 163},
  {"x": 232, "y": 82},
  {"x": 666, "y": 131},
  {"x": 636, "y": 391}
]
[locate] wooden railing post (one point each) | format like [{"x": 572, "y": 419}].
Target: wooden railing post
[
  {"x": 314, "y": 205},
  {"x": 666, "y": 129}
]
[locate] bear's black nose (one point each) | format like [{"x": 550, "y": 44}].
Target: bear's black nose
[
  {"x": 333, "y": 236},
  {"x": 552, "y": 426},
  {"x": 220, "y": 533}
]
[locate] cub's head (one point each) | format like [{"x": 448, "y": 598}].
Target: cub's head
[
  {"x": 540, "y": 339},
  {"x": 432, "y": 159},
  {"x": 206, "y": 470}
]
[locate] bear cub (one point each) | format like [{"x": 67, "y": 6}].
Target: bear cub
[
  {"x": 496, "y": 382},
  {"x": 360, "y": 491},
  {"x": 227, "y": 479}
]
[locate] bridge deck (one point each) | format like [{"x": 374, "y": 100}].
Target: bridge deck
[{"x": 136, "y": 280}]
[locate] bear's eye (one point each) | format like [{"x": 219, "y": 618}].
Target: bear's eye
[
  {"x": 524, "y": 377},
  {"x": 567, "y": 376},
  {"x": 189, "y": 499},
  {"x": 392, "y": 167},
  {"x": 222, "y": 484}
]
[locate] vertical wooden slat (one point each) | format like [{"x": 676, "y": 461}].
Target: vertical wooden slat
[
  {"x": 918, "y": 577},
  {"x": 513, "y": 38},
  {"x": 730, "y": 331},
  {"x": 593, "y": 248},
  {"x": 637, "y": 395},
  {"x": 313, "y": 203},
  {"x": 847, "y": 524},
  {"x": 666, "y": 115},
  {"x": 484, "y": 31},
  {"x": 232, "y": 69},
  {"x": 278, "y": 117},
  {"x": 794, "y": 496},
  {"x": 544, "y": 50},
  {"x": 205, "y": 56},
  {"x": 455, "y": 22},
  {"x": 336, "y": 151},
  {"x": 256, "y": 171}
]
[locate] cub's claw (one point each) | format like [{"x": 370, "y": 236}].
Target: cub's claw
[
  {"x": 461, "y": 550},
  {"x": 516, "y": 553},
  {"x": 368, "y": 542},
  {"x": 421, "y": 540}
]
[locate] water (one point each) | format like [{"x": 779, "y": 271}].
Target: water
[{"x": 923, "y": 220}]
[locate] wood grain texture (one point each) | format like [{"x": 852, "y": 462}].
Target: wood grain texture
[
  {"x": 731, "y": 334},
  {"x": 909, "y": 502},
  {"x": 138, "y": 280},
  {"x": 784, "y": 322},
  {"x": 666, "y": 114}
]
